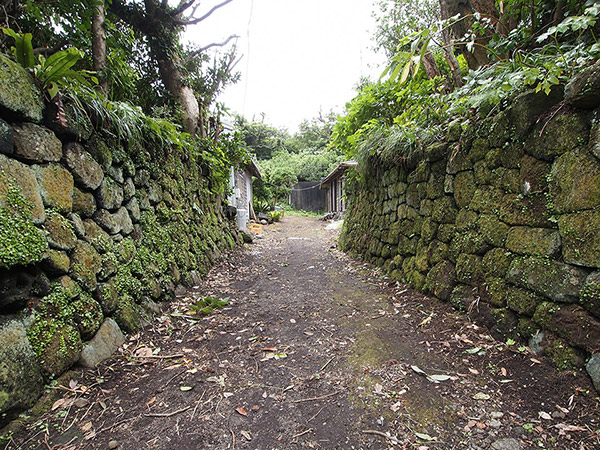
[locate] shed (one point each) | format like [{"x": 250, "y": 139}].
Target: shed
[
  {"x": 335, "y": 182},
  {"x": 306, "y": 196},
  {"x": 240, "y": 182}
]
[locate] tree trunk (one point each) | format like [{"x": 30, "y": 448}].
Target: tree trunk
[
  {"x": 99, "y": 44},
  {"x": 173, "y": 80},
  {"x": 487, "y": 8},
  {"x": 448, "y": 49}
]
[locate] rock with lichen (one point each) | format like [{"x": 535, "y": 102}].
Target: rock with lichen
[{"x": 18, "y": 92}]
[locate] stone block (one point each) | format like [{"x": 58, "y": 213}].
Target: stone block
[
  {"x": 22, "y": 177},
  {"x": 581, "y": 237},
  {"x": 21, "y": 381},
  {"x": 533, "y": 241},
  {"x": 7, "y": 144},
  {"x": 84, "y": 203},
  {"x": 441, "y": 280},
  {"x": 583, "y": 91},
  {"x": 18, "y": 92},
  {"x": 36, "y": 143},
  {"x": 85, "y": 264},
  {"x": 56, "y": 186},
  {"x": 87, "y": 172},
  {"x": 575, "y": 182},
  {"x": 552, "y": 279},
  {"x": 59, "y": 232},
  {"x": 109, "y": 194},
  {"x": 107, "y": 341}
]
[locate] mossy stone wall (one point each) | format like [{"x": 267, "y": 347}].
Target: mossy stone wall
[
  {"x": 501, "y": 219},
  {"x": 91, "y": 228}
]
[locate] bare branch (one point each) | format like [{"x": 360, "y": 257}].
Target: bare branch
[
  {"x": 220, "y": 44},
  {"x": 191, "y": 21},
  {"x": 182, "y": 7}
]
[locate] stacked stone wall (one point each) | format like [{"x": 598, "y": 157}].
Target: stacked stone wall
[
  {"x": 501, "y": 219},
  {"x": 93, "y": 230}
]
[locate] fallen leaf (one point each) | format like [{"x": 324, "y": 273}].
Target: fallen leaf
[
  {"x": 424, "y": 437},
  {"x": 247, "y": 435},
  {"x": 227, "y": 394},
  {"x": 473, "y": 350},
  {"x": 503, "y": 372},
  {"x": 416, "y": 369},
  {"x": 269, "y": 349},
  {"x": 143, "y": 352},
  {"x": 396, "y": 406},
  {"x": 474, "y": 371},
  {"x": 544, "y": 415},
  {"x": 481, "y": 396},
  {"x": 152, "y": 400},
  {"x": 378, "y": 389},
  {"x": 292, "y": 320},
  {"x": 86, "y": 427},
  {"x": 73, "y": 384},
  {"x": 241, "y": 411},
  {"x": 535, "y": 361},
  {"x": 309, "y": 333},
  {"x": 438, "y": 378},
  {"x": 57, "y": 404},
  {"x": 186, "y": 388},
  {"x": 81, "y": 403}
]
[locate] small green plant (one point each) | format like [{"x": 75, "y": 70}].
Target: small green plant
[
  {"x": 52, "y": 72},
  {"x": 206, "y": 305},
  {"x": 276, "y": 215}
]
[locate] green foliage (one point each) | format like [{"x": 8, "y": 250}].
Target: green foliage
[
  {"x": 21, "y": 242},
  {"x": 206, "y": 305},
  {"x": 276, "y": 215}
]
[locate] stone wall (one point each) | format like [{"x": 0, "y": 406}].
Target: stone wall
[
  {"x": 93, "y": 230},
  {"x": 501, "y": 219}
]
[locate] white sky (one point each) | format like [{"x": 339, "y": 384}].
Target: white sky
[{"x": 299, "y": 56}]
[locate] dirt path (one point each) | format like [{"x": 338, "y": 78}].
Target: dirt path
[{"x": 316, "y": 350}]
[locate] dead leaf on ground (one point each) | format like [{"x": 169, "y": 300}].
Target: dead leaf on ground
[
  {"x": 241, "y": 411},
  {"x": 481, "y": 396},
  {"x": 86, "y": 427},
  {"x": 246, "y": 435}
]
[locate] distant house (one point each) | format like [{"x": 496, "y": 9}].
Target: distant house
[
  {"x": 240, "y": 182},
  {"x": 334, "y": 182},
  {"x": 306, "y": 196}
]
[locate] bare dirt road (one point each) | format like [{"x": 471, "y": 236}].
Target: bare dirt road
[{"x": 315, "y": 350}]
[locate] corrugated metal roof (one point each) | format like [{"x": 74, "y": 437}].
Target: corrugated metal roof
[{"x": 341, "y": 168}]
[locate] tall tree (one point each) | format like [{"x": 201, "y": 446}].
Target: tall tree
[{"x": 161, "y": 24}]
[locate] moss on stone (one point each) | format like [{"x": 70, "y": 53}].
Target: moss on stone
[
  {"x": 532, "y": 241},
  {"x": 59, "y": 231},
  {"x": 87, "y": 315},
  {"x": 496, "y": 262},
  {"x": 469, "y": 269},
  {"x": 563, "y": 356},
  {"x": 580, "y": 233},
  {"x": 21, "y": 243},
  {"x": 85, "y": 264},
  {"x": 522, "y": 301},
  {"x": 128, "y": 315}
]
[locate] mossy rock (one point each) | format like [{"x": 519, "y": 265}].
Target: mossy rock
[
  {"x": 107, "y": 296},
  {"x": 493, "y": 230},
  {"x": 422, "y": 256},
  {"x": 482, "y": 174},
  {"x": 18, "y": 91},
  {"x": 559, "y": 135},
  {"x": 562, "y": 355},
  {"x": 580, "y": 234},
  {"x": 436, "y": 151},
  {"x": 469, "y": 241},
  {"x": 56, "y": 344},
  {"x": 441, "y": 280},
  {"x": 125, "y": 250},
  {"x": 463, "y": 296},
  {"x": 469, "y": 269},
  {"x": 486, "y": 199},
  {"x": 533, "y": 176},
  {"x": 416, "y": 280},
  {"x": 571, "y": 322},
  {"x": 522, "y": 301},
  {"x": 543, "y": 242},
  {"x": 498, "y": 132},
  {"x": 508, "y": 180},
  {"x": 85, "y": 264},
  {"x": 21, "y": 243},
  {"x": 496, "y": 262},
  {"x": 36, "y": 143},
  {"x": 527, "y": 107},
  {"x": 479, "y": 149},
  {"x": 444, "y": 210},
  {"x": 529, "y": 210},
  {"x": 590, "y": 294},
  {"x": 17, "y": 179},
  {"x": 56, "y": 187},
  {"x": 438, "y": 251},
  {"x": 84, "y": 203},
  {"x": 496, "y": 291},
  {"x": 59, "y": 232},
  {"x": 458, "y": 159},
  {"x": 20, "y": 375},
  {"x": 466, "y": 220},
  {"x": 87, "y": 315},
  {"x": 506, "y": 322},
  {"x": 86, "y": 171},
  {"x": 446, "y": 232},
  {"x": 583, "y": 91},
  {"x": 97, "y": 237},
  {"x": 575, "y": 182},
  {"x": 128, "y": 315},
  {"x": 552, "y": 279},
  {"x": 428, "y": 229},
  {"x": 56, "y": 262},
  {"x": 110, "y": 194}
]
